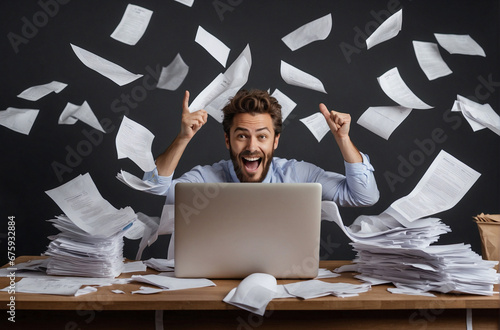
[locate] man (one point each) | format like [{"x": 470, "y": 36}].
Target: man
[{"x": 252, "y": 127}]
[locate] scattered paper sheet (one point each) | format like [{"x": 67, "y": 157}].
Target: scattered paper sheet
[
  {"x": 325, "y": 273},
  {"x": 479, "y": 116},
  {"x": 383, "y": 120},
  {"x": 214, "y": 46},
  {"x": 444, "y": 183},
  {"x": 72, "y": 113},
  {"x": 459, "y": 44},
  {"x": 225, "y": 85},
  {"x": 80, "y": 200},
  {"x": 133, "y": 24},
  {"x": 85, "y": 290},
  {"x": 293, "y": 76},
  {"x": 161, "y": 265},
  {"x": 18, "y": 120},
  {"x": 287, "y": 105},
  {"x": 410, "y": 291},
  {"x": 134, "y": 266},
  {"x": 108, "y": 69},
  {"x": 254, "y": 293},
  {"x": 317, "y": 124},
  {"x": 317, "y": 288},
  {"x": 394, "y": 87},
  {"x": 35, "y": 93},
  {"x": 387, "y": 30},
  {"x": 318, "y": 29},
  {"x": 430, "y": 60},
  {"x": 188, "y": 3},
  {"x": 134, "y": 141},
  {"x": 150, "y": 233},
  {"x": 48, "y": 286},
  {"x": 135, "y": 231},
  {"x": 173, "y": 75},
  {"x": 167, "y": 282}
]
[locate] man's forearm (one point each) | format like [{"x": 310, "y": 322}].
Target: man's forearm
[
  {"x": 349, "y": 151},
  {"x": 167, "y": 162}
]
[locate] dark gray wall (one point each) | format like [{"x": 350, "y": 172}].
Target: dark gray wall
[{"x": 341, "y": 62}]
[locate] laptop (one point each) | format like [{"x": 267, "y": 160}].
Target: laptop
[{"x": 232, "y": 230}]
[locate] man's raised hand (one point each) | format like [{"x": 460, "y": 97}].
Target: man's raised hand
[{"x": 191, "y": 121}]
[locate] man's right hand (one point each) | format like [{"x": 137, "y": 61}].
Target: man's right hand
[{"x": 191, "y": 121}]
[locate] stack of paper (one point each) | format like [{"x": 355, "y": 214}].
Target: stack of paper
[
  {"x": 442, "y": 268},
  {"x": 91, "y": 239}
]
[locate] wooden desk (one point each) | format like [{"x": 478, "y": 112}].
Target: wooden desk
[{"x": 204, "y": 308}]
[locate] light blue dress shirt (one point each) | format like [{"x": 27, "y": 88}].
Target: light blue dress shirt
[{"x": 356, "y": 188}]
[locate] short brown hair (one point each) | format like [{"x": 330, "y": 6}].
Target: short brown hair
[{"x": 254, "y": 101}]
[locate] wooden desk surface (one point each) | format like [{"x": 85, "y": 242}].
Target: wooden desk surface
[{"x": 210, "y": 298}]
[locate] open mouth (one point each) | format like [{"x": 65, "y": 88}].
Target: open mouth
[{"x": 252, "y": 163}]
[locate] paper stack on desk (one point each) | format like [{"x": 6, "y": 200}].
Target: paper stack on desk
[{"x": 91, "y": 239}]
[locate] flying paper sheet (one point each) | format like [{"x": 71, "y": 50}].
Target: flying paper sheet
[
  {"x": 387, "y": 30},
  {"x": 459, "y": 44},
  {"x": 394, "y": 87},
  {"x": 214, "y": 46},
  {"x": 479, "y": 116},
  {"x": 318, "y": 29},
  {"x": 72, "y": 113},
  {"x": 132, "y": 25},
  {"x": 188, "y": 3},
  {"x": 444, "y": 183},
  {"x": 317, "y": 124},
  {"x": 173, "y": 75},
  {"x": 383, "y": 120},
  {"x": 81, "y": 202},
  {"x": 430, "y": 60},
  {"x": 224, "y": 86},
  {"x": 134, "y": 141},
  {"x": 287, "y": 105},
  {"x": 108, "y": 69},
  {"x": 35, "y": 93},
  {"x": 293, "y": 76},
  {"x": 19, "y": 120}
]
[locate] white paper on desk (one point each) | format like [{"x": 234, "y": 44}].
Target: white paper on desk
[
  {"x": 107, "y": 68},
  {"x": 410, "y": 291},
  {"x": 459, "y": 44},
  {"x": 147, "y": 290},
  {"x": 319, "y": 29},
  {"x": 383, "y": 120},
  {"x": 317, "y": 288},
  {"x": 224, "y": 86},
  {"x": 133, "y": 24},
  {"x": 167, "y": 282},
  {"x": 325, "y": 273},
  {"x": 134, "y": 141},
  {"x": 479, "y": 116},
  {"x": 444, "y": 183},
  {"x": 48, "y": 286},
  {"x": 72, "y": 113},
  {"x": 293, "y": 76},
  {"x": 161, "y": 265},
  {"x": 394, "y": 87},
  {"x": 35, "y": 93},
  {"x": 316, "y": 123},
  {"x": 253, "y": 293},
  {"x": 287, "y": 104},
  {"x": 214, "y": 46},
  {"x": 18, "y": 120},
  {"x": 80, "y": 200},
  {"x": 430, "y": 60},
  {"x": 172, "y": 76},
  {"x": 134, "y": 266},
  {"x": 387, "y": 30},
  {"x": 85, "y": 290}
]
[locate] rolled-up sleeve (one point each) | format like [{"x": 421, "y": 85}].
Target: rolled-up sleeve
[
  {"x": 159, "y": 184},
  {"x": 356, "y": 188}
]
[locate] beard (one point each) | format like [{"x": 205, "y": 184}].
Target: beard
[{"x": 238, "y": 164}]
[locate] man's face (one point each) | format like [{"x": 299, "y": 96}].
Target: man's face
[{"x": 251, "y": 143}]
